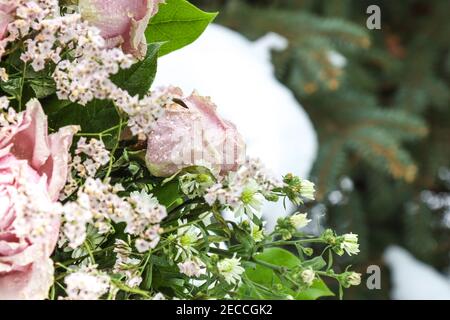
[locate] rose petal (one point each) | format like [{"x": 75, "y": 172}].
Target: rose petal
[
  {"x": 56, "y": 166},
  {"x": 195, "y": 135},
  {"x": 31, "y": 284},
  {"x": 121, "y": 21},
  {"x": 31, "y": 143}
]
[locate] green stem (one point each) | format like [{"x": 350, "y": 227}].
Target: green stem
[
  {"x": 268, "y": 265},
  {"x": 116, "y": 145},
  {"x": 169, "y": 230},
  {"x": 71, "y": 261},
  {"x": 22, "y": 83},
  {"x": 101, "y": 134},
  {"x": 126, "y": 288},
  {"x": 293, "y": 242},
  {"x": 88, "y": 249}
]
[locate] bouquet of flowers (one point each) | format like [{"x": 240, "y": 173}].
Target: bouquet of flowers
[{"x": 111, "y": 189}]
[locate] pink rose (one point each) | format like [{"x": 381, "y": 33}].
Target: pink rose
[
  {"x": 5, "y": 17},
  {"x": 192, "y": 133},
  {"x": 121, "y": 21},
  {"x": 33, "y": 170}
]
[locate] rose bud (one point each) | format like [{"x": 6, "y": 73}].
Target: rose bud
[
  {"x": 121, "y": 22},
  {"x": 191, "y": 132},
  {"x": 33, "y": 170}
]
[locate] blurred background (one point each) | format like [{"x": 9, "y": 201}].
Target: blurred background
[{"x": 373, "y": 129}]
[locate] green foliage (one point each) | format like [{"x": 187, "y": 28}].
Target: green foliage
[
  {"x": 177, "y": 24},
  {"x": 138, "y": 79},
  {"x": 264, "y": 283}
]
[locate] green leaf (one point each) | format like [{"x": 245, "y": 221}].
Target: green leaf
[
  {"x": 266, "y": 277},
  {"x": 138, "y": 79},
  {"x": 147, "y": 282},
  {"x": 279, "y": 257},
  {"x": 316, "y": 263},
  {"x": 169, "y": 195},
  {"x": 12, "y": 86},
  {"x": 315, "y": 291},
  {"x": 177, "y": 24},
  {"x": 43, "y": 87},
  {"x": 95, "y": 117}
]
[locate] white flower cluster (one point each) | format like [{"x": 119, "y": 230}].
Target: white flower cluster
[
  {"x": 35, "y": 213},
  {"x": 85, "y": 72},
  {"x": 96, "y": 156},
  {"x": 255, "y": 169},
  {"x": 148, "y": 213},
  {"x": 87, "y": 283},
  {"x": 85, "y": 77},
  {"x": 26, "y": 18},
  {"x": 98, "y": 204},
  {"x": 126, "y": 265},
  {"x": 144, "y": 113},
  {"x": 9, "y": 118},
  {"x": 243, "y": 191}
]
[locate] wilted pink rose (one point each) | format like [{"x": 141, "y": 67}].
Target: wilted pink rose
[
  {"x": 191, "y": 132},
  {"x": 121, "y": 21},
  {"x": 33, "y": 170},
  {"x": 6, "y": 18}
]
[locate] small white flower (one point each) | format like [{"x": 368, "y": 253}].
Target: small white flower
[
  {"x": 231, "y": 269},
  {"x": 251, "y": 200},
  {"x": 308, "y": 276},
  {"x": 148, "y": 206},
  {"x": 188, "y": 237},
  {"x": 192, "y": 268},
  {"x": 159, "y": 296},
  {"x": 350, "y": 243},
  {"x": 299, "y": 220},
  {"x": 307, "y": 189},
  {"x": 257, "y": 233},
  {"x": 354, "y": 279}
]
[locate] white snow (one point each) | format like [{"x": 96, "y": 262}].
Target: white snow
[
  {"x": 239, "y": 76},
  {"x": 413, "y": 279}
]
